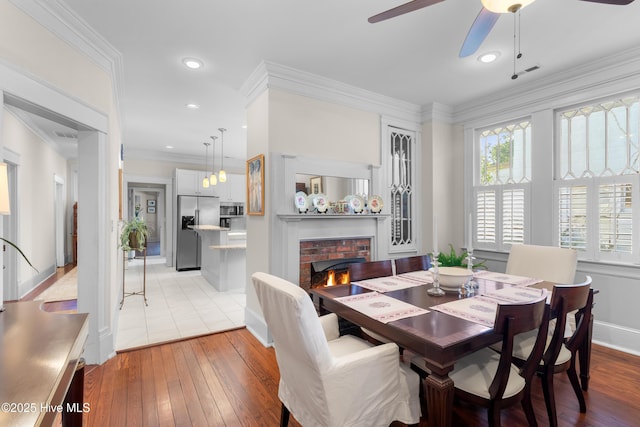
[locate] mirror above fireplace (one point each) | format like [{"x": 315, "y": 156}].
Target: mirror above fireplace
[{"x": 335, "y": 188}]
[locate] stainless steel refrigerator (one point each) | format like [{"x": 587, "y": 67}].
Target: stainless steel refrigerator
[{"x": 193, "y": 210}]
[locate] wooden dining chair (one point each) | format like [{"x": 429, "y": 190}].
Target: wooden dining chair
[
  {"x": 490, "y": 379},
  {"x": 370, "y": 270},
  {"x": 412, "y": 263},
  {"x": 561, "y": 353},
  {"x": 327, "y": 379}
]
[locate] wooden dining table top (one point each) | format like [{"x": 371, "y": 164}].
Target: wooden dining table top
[{"x": 434, "y": 335}]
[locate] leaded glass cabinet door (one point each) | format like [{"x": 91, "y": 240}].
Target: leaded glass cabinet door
[{"x": 401, "y": 152}]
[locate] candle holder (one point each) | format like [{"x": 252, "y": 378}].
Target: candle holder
[
  {"x": 435, "y": 290},
  {"x": 472, "y": 285}
]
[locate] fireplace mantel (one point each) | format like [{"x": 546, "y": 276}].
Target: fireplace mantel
[{"x": 306, "y": 216}]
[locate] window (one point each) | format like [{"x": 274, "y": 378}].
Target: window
[
  {"x": 401, "y": 152},
  {"x": 596, "y": 182},
  {"x": 502, "y": 185}
]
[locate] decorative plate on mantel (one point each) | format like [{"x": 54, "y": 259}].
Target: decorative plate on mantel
[
  {"x": 356, "y": 203},
  {"x": 301, "y": 202},
  {"x": 375, "y": 204}
]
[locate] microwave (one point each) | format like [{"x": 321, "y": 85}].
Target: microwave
[{"x": 231, "y": 209}]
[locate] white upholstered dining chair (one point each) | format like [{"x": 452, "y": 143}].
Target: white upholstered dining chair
[
  {"x": 330, "y": 380},
  {"x": 553, "y": 264}
]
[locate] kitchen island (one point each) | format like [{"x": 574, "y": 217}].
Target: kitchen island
[{"x": 223, "y": 252}]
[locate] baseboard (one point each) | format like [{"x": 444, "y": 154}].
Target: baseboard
[
  {"x": 30, "y": 284},
  {"x": 616, "y": 337},
  {"x": 256, "y": 325}
]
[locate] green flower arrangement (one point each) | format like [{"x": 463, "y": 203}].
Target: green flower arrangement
[{"x": 453, "y": 259}]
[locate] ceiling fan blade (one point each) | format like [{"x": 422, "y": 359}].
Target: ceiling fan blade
[
  {"x": 613, "y": 2},
  {"x": 478, "y": 32},
  {"x": 402, "y": 9}
]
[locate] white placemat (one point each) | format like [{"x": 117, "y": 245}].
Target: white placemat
[
  {"x": 478, "y": 309},
  {"x": 381, "y": 307},
  {"x": 506, "y": 278},
  {"x": 388, "y": 283},
  {"x": 517, "y": 294},
  {"x": 421, "y": 276}
]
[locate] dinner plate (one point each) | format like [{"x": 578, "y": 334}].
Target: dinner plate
[
  {"x": 375, "y": 204},
  {"x": 301, "y": 201},
  {"x": 356, "y": 203}
]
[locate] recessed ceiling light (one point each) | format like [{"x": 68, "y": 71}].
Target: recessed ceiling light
[
  {"x": 192, "y": 63},
  {"x": 192, "y": 106},
  {"x": 169, "y": 147},
  {"x": 489, "y": 57}
]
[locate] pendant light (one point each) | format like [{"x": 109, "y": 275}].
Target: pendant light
[
  {"x": 222, "y": 174},
  {"x": 213, "y": 179},
  {"x": 504, "y": 6},
  {"x": 205, "y": 180}
]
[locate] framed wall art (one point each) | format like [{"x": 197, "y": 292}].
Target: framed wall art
[{"x": 255, "y": 185}]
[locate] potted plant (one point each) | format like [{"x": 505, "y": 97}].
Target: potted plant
[
  {"x": 452, "y": 259},
  {"x": 19, "y": 251},
  {"x": 134, "y": 234}
]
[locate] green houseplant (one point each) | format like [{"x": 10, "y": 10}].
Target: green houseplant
[
  {"x": 453, "y": 259},
  {"x": 19, "y": 251},
  {"x": 134, "y": 234}
]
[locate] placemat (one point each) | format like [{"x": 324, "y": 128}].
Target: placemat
[
  {"x": 478, "y": 309},
  {"x": 381, "y": 307},
  {"x": 422, "y": 276},
  {"x": 506, "y": 278},
  {"x": 389, "y": 283}
]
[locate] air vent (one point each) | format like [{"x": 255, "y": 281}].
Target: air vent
[{"x": 70, "y": 135}]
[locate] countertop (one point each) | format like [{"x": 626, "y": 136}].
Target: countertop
[{"x": 206, "y": 227}]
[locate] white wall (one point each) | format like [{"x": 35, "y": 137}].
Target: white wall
[{"x": 38, "y": 165}]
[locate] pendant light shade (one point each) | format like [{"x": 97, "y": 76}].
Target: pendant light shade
[
  {"x": 505, "y": 6},
  {"x": 213, "y": 179},
  {"x": 222, "y": 175},
  {"x": 205, "y": 180}
]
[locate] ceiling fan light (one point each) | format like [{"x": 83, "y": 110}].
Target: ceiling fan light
[{"x": 505, "y": 6}]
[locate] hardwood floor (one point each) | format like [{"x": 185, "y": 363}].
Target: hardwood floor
[{"x": 230, "y": 379}]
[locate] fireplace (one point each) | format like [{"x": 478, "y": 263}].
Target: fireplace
[
  {"x": 322, "y": 258},
  {"x": 331, "y": 272}
]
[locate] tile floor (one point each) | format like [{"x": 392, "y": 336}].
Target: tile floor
[{"x": 181, "y": 305}]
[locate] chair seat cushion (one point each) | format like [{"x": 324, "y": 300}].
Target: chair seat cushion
[
  {"x": 347, "y": 344},
  {"x": 523, "y": 345},
  {"x": 474, "y": 373}
]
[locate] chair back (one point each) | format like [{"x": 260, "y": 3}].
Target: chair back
[
  {"x": 513, "y": 319},
  {"x": 412, "y": 263},
  {"x": 301, "y": 348},
  {"x": 370, "y": 270},
  {"x": 553, "y": 264},
  {"x": 567, "y": 298}
]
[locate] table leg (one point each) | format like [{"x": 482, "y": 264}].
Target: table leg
[
  {"x": 439, "y": 391},
  {"x": 584, "y": 352}
]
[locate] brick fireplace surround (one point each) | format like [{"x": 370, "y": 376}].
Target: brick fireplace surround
[{"x": 330, "y": 249}]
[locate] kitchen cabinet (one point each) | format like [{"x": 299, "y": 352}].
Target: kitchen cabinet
[
  {"x": 189, "y": 183},
  {"x": 234, "y": 190}
]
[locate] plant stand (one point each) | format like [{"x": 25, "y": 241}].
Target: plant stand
[{"x": 144, "y": 278}]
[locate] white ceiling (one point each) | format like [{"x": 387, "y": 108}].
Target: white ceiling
[{"x": 413, "y": 57}]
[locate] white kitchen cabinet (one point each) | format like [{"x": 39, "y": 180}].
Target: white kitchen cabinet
[
  {"x": 233, "y": 190},
  {"x": 189, "y": 183}
]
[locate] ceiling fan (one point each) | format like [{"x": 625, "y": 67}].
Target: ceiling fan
[{"x": 484, "y": 22}]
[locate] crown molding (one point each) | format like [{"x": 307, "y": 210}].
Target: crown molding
[
  {"x": 436, "y": 112},
  {"x": 271, "y": 75},
  {"x": 615, "y": 73},
  {"x": 57, "y": 17}
]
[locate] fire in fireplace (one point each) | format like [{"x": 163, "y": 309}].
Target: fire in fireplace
[{"x": 331, "y": 272}]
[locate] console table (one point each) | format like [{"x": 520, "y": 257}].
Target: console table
[
  {"x": 40, "y": 375},
  {"x": 143, "y": 293}
]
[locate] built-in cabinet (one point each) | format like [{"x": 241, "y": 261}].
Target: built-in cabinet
[
  {"x": 189, "y": 183},
  {"x": 234, "y": 190}
]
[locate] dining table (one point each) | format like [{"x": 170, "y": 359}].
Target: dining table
[{"x": 437, "y": 337}]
